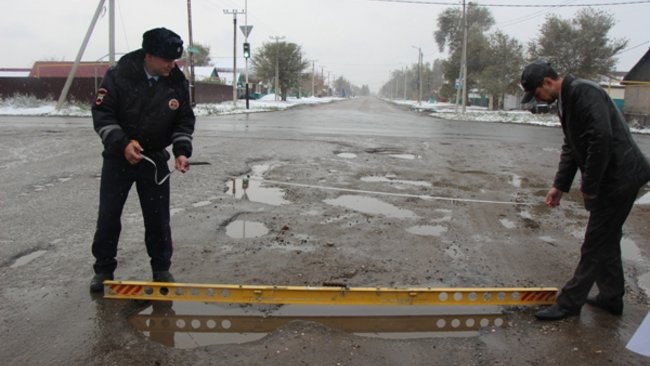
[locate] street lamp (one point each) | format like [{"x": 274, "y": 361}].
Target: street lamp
[
  {"x": 419, "y": 74},
  {"x": 234, "y": 13}
]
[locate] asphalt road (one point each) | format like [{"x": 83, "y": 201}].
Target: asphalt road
[{"x": 366, "y": 194}]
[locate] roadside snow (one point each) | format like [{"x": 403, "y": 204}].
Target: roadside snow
[{"x": 25, "y": 106}]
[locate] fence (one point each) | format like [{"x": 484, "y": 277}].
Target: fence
[{"x": 84, "y": 90}]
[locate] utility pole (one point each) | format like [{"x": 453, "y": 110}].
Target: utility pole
[
  {"x": 190, "y": 52},
  {"x": 464, "y": 57},
  {"x": 277, "y": 65},
  {"x": 419, "y": 74},
  {"x": 313, "y": 78},
  {"x": 73, "y": 70},
  {"x": 421, "y": 66},
  {"x": 234, "y": 13},
  {"x": 111, "y": 32},
  {"x": 404, "y": 71}
]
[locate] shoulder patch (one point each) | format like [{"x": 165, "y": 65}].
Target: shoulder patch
[{"x": 101, "y": 93}]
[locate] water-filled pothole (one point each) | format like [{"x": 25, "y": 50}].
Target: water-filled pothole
[
  {"x": 21, "y": 261},
  {"x": 191, "y": 324},
  {"x": 370, "y": 205},
  {"x": 250, "y": 187},
  {"x": 241, "y": 229}
]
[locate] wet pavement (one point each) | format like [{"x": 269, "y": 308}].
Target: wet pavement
[{"x": 358, "y": 192}]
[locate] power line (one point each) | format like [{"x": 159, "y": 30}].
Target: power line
[
  {"x": 633, "y": 47},
  {"x": 520, "y": 5}
]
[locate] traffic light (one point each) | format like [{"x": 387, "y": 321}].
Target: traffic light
[{"x": 247, "y": 50}]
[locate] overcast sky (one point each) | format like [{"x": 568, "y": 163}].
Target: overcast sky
[{"x": 360, "y": 40}]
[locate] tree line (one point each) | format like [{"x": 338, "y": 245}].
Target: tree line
[{"x": 494, "y": 59}]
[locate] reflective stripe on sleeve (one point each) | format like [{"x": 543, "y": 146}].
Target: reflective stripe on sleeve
[{"x": 106, "y": 130}]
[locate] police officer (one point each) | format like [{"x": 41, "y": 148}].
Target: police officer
[{"x": 142, "y": 107}]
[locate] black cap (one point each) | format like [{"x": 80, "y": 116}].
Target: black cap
[
  {"x": 163, "y": 43},
  {"x": 533, "y": 77}
]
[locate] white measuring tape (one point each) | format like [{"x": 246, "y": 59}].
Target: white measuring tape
[{"x": 155, "y": 177}]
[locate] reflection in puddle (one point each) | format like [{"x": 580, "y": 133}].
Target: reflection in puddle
[
  {"x": 515, "y": 180},
  {"x": 27, "y": 258},
  {"x": 403, "y": 156},
  {"x": 241, "y": 229},
  {"x": 507, "y": 224},
  {"x": 191, "y": 324},
  {"x": 644, "y": 200},
  {"x": 427, "y": 230},
  {"x": 391, "y": 179},
  {"x": 644, "y": 283},
  {"x": 250, "y": 188},
  {"x": 630, "y": 251},
  {"x": 370, "y": 205},
  {"x": 547, "y": 239},
  {"x": 347, "y": 155}
]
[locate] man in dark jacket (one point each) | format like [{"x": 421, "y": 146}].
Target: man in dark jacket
[
  {"x": 597, "y": 141},
  {"x": 141, "y": 108}
]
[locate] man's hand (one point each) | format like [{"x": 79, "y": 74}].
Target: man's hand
[
  {"x": 182, "y": 164},
  {"x": 133, "y": 152},
  {"x": 553, "y": 197}
]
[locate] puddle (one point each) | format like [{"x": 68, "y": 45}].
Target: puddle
[
  {"x": 644, "y": 200},
  {"x": 389, "y": 179},
  {"x": 370, "y": 205},
  {"x": 525, "y": 215},
  {"x": 186, "y": 325},
  {"x": 454, "y": 252},
  {"x": 347, "y": 155},
  {"x": 176, "y": 210},
  {"x": 644, "y": 283},
  {"x": 250, "y": 187},
  {"x": 630, "y": 251},
  {"x": 427, "y": 230},
  {"x": 507, "y": 224},
  {"x": 515, "y": 180},
  {"x": 403, "y": 156},
  {"x": 241, "y": 229},
  {"x": 27, "y": 258},
  {"x": 547, "y": 239}
]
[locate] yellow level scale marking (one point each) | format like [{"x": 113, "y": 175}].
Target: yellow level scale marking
[{"x": 306, "y": 295}]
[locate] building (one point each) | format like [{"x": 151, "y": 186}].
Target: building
[{"x": 637, "y": 93}]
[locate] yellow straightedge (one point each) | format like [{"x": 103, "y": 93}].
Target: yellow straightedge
[{"x": 327, "y": 295}]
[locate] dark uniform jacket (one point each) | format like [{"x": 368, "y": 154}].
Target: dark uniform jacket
[
  {"x": 597, "y": 141},
  {"x": 127, "y": 108}
]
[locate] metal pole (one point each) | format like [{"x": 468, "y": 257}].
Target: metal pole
[
  {"x": 277, "y": 66},
  {"x": 246, "y": 41},
  {"x": 111, "y": 31},
  {"x": 464, "y": 56},
  {"x": 190, "y": 52},
  {"x": 460, "y": 67},
  {"x": 404, "y": 71},
  {"x": 73, "y": 71},
  {"x": 234, "y": 13},
  {"x": 313, "y": 79},
  {"x": 420, "y": 74},
  {"x": 234, "y": 59}
]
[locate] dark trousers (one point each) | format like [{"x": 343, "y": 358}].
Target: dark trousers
[
  {"x": 117, "y": 178},
  {"x": 600, "y": 255}
]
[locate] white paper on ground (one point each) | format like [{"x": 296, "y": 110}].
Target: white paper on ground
[{"x": 640, "y": 341}]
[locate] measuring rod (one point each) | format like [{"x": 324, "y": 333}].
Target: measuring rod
[{"x": 328, "y": 295}]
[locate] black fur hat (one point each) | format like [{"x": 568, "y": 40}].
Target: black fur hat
[{"x": 163, "y": 43}]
